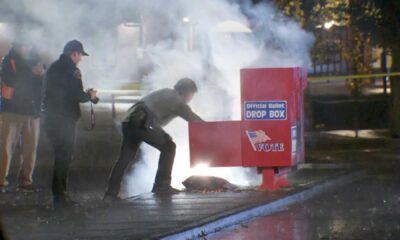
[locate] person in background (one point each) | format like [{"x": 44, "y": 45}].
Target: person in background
[
  {"x": 20, "y": 108},
  {"x": 143, "y": 123},
  {"x": 63, "y": 92}
]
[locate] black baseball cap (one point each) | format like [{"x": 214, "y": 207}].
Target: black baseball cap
[{"x": 74, "y": 46}]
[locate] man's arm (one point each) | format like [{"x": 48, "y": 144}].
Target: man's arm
[
  {"x": 185, "y": 112},
  {"x": 77, "y": 88},
  {"x": 9, "y": 67},
  {"x": 9, "y": 75}
]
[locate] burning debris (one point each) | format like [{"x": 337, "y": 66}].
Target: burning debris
[{"x": 208, "y": 184}]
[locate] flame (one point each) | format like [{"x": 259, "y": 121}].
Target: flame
[{"x": 201, "y": 169}]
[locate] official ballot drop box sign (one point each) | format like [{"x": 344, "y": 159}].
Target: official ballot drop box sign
[{"x": 270, "y": 132}]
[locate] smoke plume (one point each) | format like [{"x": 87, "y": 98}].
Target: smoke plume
[
  {"x": 202, "y": 44},
  {"x": 158, "y": 42}
]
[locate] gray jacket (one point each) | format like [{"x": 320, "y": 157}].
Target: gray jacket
[{"x": 159, "y": 108}]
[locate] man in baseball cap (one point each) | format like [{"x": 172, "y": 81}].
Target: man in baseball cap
[
  {"x": 63, "y": 93},
  {"x": 74, "y": 46}
]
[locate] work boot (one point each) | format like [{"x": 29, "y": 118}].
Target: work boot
[
  {"x": 63, "y": 202},
  {"x": 27, "y": 188},
  {"x": 164, "y": 189}
]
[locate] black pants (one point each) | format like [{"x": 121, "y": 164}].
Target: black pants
[
  {"x": 61, "y": 133},
  {"x": 132, "y": 138}
]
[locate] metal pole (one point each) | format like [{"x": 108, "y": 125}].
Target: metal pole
[
  {"x": 384, "y": 69},
  {"x": 113, "y": 106},
  {"x": 356, "y": 107}
]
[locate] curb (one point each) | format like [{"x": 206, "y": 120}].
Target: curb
[{"x": 262, "y": 210}]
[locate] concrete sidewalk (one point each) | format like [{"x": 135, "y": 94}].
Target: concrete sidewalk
[
  {"x": 332, "y": 160},
  {"x": 150, "y": 217}
]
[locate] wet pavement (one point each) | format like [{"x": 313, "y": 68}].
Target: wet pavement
[
  {"x": 366, "y": 209},
  {"x": 328, "y": 156},
  {"x": 147, "y": 216}
]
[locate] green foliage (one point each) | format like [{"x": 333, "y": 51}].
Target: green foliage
[
  {"x": 340, "y": 37},
  {"x": 367, "y": 22},
  {"x": 372, "y": 23},
  {"x": 330, "y": 10},
  {"x": 291, "y": 8},
  {"x": 381, "y": 21}
]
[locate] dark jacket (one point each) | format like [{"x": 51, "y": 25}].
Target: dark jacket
[
  {"x": 22, "y": 87},
  {"x": 63, "y": 91},
  {"x": 160, "y": 107}
]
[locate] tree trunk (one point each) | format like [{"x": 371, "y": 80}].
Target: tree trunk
[{"x": 395, "y": 96}]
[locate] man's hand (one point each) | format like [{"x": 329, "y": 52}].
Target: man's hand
[
  {"x": 92, "y": 92},
  {"x": 93, "y": 95}
]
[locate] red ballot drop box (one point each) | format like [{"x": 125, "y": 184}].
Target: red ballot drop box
[{"x": 269, "y": 135}]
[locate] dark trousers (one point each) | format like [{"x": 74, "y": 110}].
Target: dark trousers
[
  {"x": 131, "y": 140},
  {"x": 62, "y": 136}
]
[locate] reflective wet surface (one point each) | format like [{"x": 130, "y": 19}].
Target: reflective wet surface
[{"x": 366, "y": 209}]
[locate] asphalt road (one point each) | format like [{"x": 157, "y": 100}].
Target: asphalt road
[{"x": 366, "y": 209}]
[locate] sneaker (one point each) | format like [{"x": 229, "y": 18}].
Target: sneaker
[
  {"x": 63, "y": 202},
  {"x": 164, "y": 190},
  {"x": 27, "y": 188},
  {"x": 108, "y": 198}
]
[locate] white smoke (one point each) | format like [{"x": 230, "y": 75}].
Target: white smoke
[
  {"x": 180, "y": 39},
  {"x": 111, "y": 44},
  {"x": 198, "y": 48}
]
